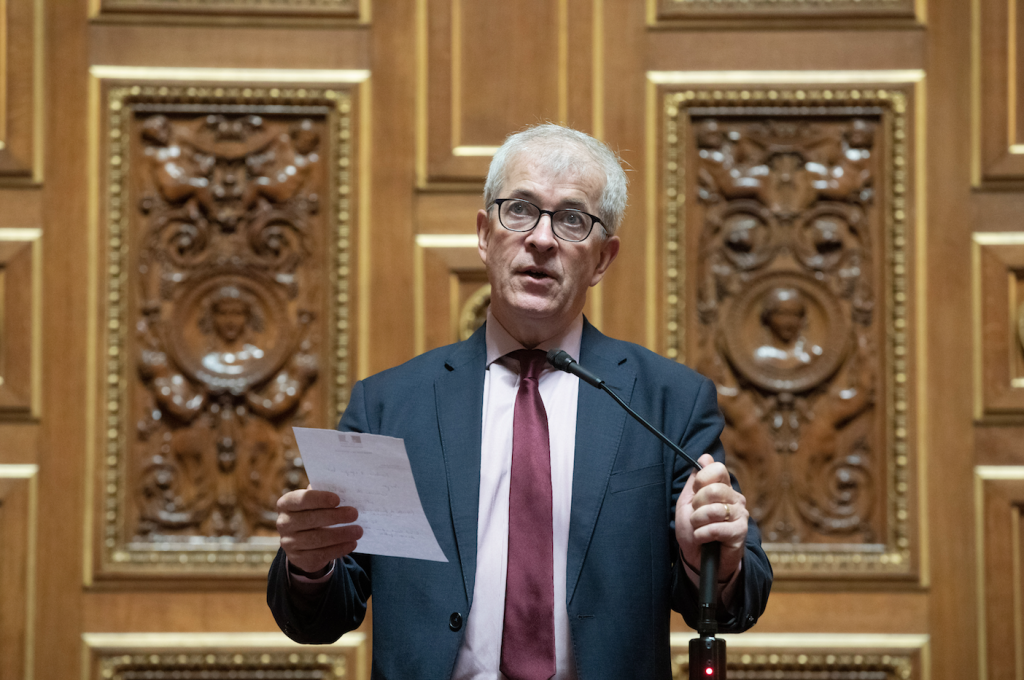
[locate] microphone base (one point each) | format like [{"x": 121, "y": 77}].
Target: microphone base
[{"x": 707, "y": 652}]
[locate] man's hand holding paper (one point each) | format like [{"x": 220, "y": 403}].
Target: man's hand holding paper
[
  {"x": 369, "y": 477},
  {"x": 315, "y": 530}
]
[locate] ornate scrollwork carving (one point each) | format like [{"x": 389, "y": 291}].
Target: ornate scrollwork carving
[
  {"x": 228, "y": 345},
  {"x": 785, "y": 306}
]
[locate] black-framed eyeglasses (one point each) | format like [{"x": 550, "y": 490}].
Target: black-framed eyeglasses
[{"x": 515, "y": 214}]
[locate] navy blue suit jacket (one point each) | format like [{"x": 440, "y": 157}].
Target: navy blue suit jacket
[{"x": 623, "y": 572}]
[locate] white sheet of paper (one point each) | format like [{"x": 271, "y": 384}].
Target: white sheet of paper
[{"x": 371, "y": 473}]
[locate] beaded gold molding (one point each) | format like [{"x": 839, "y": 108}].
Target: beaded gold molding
[
  {"x": 193, "y": 656},
  {"x": 797, "y": 560},
  {"x": 209, "y": 555},
  {"x": 808, "y": 666}
]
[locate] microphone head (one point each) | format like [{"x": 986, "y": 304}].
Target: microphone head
[{"x": 559, "y": 358}]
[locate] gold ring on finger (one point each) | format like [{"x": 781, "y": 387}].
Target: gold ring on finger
[{"x": 728, "y": 512}]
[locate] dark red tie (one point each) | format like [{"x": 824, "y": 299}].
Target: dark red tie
[{"x": 528, "y": 636}]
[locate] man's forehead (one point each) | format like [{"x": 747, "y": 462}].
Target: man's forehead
[{"x": 578, "y": 184}]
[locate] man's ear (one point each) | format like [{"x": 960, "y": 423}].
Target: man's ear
[
  {"x": 609, "y": 251},
  {"x": 483, "y": 232}
]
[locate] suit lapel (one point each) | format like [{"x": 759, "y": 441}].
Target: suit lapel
[
  {"x": 458, "y": 397},
  {"x": 599, "y": 425}
]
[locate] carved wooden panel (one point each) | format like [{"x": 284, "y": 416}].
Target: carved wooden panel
[
  {"x": 225, "y": 314},
  {"x": 998, "y": 261},
  {"x": 999, "y": 498},
  {"x": 482, "y": 80},
  {"x": 223, "y": 656},
  {"x": 18, "y": 507},
  {"x": 789, "y": 281},
  {"x": 332, "y": 8},
  {"x": 20, "y": 273},
  {"x": 999, "y": 111},
  {"x": 451, "y": 288},
  {"x": 20, "y": 91},
  {"x": 811, "y": 656},
  {"x": 764, "y": 9}
]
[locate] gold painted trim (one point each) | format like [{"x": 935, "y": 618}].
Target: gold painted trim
[
  {"x": 233, "y": 75},
  {"x": 896, "y": 557},
  {"x": 908, "y": 641},
  {"x": 923, "y": 430},
  {"x": 463, "y": 151},
  {"x": 1011, "y": 76},
  {"x": 998, "y": 238},
  {"x": 976, "y": 76},
  {"x": 446, "y": 240},
  {"x": 563, "y": 61},
  {"x": 94, "y": 165},
  {"x": 420, "y": 103},
  {"x": 130, "y": 641},
  {"x": 597, "y": 69},
  {"x": 823, "y": 79},
  {"x": 456, "y": 74},
  {"x": 29, "y": 473},
  {"x": 653, "y": 219},
  {"x": 364, "y": 257}
]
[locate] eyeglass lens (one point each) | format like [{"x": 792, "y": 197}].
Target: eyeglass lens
[{"x": 570, "y": 225}]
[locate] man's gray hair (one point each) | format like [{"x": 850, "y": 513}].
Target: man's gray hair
[{"x": 563, "y": 151}]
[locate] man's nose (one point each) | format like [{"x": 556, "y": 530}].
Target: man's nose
[{"x": 542, "y": 237}]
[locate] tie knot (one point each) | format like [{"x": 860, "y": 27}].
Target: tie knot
[{"x": 531, "y": 362}]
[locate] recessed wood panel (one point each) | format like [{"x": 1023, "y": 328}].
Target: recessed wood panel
[
  {"x": 451, "y": 288},
  {"x": 17, "y": 569},
  {"x": 489, "y": 69},
  {"x": 223, "y": 656},
  {"x": 20, "y": 280},
  {"x": 999, "y": 111},
  {"x": 224, "y": 314},
  {"x": 810, "y": 656},
  {"x": 998, "y": 262},
  {"x": 999, "y": 498},
  {"x": 788, "y": 230},
  {"x": 780, "y": 9},
  {"x": 20, "y": 91}
]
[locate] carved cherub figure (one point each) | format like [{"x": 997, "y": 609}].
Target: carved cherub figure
[{"x": 179, "y": 174}]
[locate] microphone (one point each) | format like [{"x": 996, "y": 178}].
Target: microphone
[
  {"x": 561, "y": 360},
  {"x": 707, "y": 653}
]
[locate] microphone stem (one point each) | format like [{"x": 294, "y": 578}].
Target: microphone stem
[{"x": 653, "y": 430}]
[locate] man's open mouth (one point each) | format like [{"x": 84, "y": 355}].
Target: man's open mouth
[{"x": 536, "y": 274}]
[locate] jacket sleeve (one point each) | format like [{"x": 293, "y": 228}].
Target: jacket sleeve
[
  {"x": 324, "y": 615},
  {"x": 751, "y": 595}
]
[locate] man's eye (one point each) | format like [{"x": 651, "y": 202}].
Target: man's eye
[
  {"x": 518, "y": 208},
  {"x": 572, "y": 219}
]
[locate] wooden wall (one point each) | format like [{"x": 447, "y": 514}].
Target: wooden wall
[{"x": 217, "y": 215}]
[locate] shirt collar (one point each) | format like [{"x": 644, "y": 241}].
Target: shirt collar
[{"x": 500, "y": 342}]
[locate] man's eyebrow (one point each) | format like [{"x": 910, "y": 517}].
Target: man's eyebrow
[{"x": 574, "y": 203}]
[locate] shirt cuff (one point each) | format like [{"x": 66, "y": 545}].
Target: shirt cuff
[
  {"x": 306, "y": 584},
  {"x": 726, "y": 590}
]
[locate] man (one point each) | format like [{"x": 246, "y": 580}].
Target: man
[{"x": 564, "y": 522}]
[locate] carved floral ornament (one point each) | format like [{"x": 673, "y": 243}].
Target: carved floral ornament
[
  {"x": 792, "y": 219},
  {"x": 225, "y": 222}
]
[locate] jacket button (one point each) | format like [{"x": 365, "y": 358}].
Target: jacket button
[{"x": 455, "y": 622}]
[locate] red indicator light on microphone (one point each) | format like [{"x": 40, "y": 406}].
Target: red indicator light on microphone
[{"x": 709, "y": 671}]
